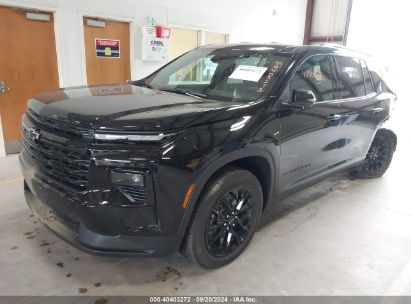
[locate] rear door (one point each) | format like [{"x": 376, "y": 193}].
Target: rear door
[
  {"x": 309, "y": 135},
  {"x": 362, "y": 108}
]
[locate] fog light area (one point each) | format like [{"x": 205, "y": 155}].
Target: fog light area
[{"x": 127, "y": 179}]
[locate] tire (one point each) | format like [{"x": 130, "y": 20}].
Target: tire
[
  {"x": 216, "y": 235},
  {"x": 378, "y": 158}
]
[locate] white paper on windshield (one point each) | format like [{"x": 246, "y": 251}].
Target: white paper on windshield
[{"x": 248, "y": 72}]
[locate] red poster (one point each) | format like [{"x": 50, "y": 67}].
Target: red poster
[{"x": 108, "y": 48}]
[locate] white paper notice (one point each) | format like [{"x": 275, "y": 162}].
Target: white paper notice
[{"x": 248, "y": 72}]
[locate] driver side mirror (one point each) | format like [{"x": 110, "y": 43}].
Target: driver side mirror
[{"x": 305, "y": 98}]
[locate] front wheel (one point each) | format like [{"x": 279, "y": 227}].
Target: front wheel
[
  {"x": 378, "y": 158},
  {"x": 226, "y": 218}
]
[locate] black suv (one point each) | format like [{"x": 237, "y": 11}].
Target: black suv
[{"x": 189, "y": 157}]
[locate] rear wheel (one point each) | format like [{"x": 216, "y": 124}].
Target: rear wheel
[
  {"x": 378, "y": 158},
  {"x": 226, "y": 218}
]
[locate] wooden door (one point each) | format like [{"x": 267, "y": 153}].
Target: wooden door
[
  {"x": 212, "y": 38},
  {"x": 107, "y": 69},
  {"x": 182, "y": 41},
  {"x": 28, "y": 66}
]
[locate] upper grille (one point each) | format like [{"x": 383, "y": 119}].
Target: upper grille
[
  {"x": 62, "y": 165},
  {"x": 58, "y": 127}
]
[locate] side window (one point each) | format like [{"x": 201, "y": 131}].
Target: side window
[
  {"x": 369, "y": 88},
  {"x": 315, "y": 75},
  {"x": 351, "y": 78}
]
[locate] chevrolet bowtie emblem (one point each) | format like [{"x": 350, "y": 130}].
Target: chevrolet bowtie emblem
[{"x": 34, "y": 134}]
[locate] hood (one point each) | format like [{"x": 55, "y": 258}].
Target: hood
[{"x": 125, "y": 106}]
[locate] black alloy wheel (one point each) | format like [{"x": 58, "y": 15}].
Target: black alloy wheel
[
  {"x": 378, "y": 156},
  {"x": 230, "y": 222},
  {"x": 225, "y": 218}
]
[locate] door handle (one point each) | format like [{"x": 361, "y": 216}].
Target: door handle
[
  {"x": 377, "y": 110},
  {"x": 333, "y": 117},
  {"x": 3, "y": 87}
]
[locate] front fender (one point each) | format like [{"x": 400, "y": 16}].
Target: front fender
[{"x": 262, "y": 150}]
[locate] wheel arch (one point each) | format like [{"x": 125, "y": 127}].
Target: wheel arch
[
  {"x": 388, "y": 128},
  {"x": 259, "y": 162},
  {"x": 260, "y": 168},
  {"x": 388, "y": 132}
]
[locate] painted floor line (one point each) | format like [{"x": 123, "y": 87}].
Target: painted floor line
[{"x": 11, "y": 180}]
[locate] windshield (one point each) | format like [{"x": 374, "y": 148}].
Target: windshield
[{"x": 231, "y": 74}]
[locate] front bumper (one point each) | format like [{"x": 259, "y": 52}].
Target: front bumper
[{"x": 105, "y": 230}]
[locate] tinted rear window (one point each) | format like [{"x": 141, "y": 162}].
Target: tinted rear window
[
  {"x": 369, "y": 88},
  {"x": 351, "y": 78}
]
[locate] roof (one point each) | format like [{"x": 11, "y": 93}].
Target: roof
[{"x": 299, "y": 49}]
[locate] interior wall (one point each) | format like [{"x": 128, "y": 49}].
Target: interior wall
[
  {"x": 245, "y": 21},
  {"x": 384, "y": 37}
]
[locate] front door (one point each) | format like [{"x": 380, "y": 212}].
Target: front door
[
  {"x": 309, "y": 135},
  {"x": 28, "y": 66}
]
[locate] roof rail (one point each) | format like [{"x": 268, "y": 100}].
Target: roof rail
[{"x": 340, "y": 46}]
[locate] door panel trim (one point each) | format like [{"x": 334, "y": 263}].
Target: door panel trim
[
  {"x": 202, "y": 31},
  {"x": 2, "y": 143},
  {"x": 13, "y": 147},
  {"x": 132, "y": 25},
  {"x": 196, "y": 28}
]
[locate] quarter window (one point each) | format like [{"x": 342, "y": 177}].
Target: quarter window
[{"x": 351, "y": 78}]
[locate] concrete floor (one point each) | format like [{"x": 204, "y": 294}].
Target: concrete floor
[{"x": 339, "y": 237}]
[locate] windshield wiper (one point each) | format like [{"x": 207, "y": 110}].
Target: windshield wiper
[
  {"x": 177, "y": 91},
  {"x": 142, "y": 84},
  {"x": 185, "y": 92}
]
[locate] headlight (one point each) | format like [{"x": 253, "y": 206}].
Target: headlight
[{"x": 128, "y": 179}]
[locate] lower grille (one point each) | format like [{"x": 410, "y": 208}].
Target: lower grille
[
  {"x": 134, "y": 194},
  {"x": 58, "y": 163}
]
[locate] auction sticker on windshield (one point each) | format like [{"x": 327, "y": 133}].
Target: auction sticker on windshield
[{"x": 248, "y": 72}]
